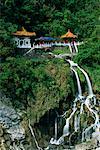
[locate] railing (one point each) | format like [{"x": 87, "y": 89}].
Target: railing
[{"x": 47, "y": 45}]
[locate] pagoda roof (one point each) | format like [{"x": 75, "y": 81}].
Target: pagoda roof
[
  {"x": 24, "y": 32},
  {"x": 69, "y": 34}
]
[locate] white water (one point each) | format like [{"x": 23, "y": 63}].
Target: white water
[
  {"x": 81, "y": 109},
  {"x": 56, "y": 131},
  {"x": 87, "y": 103},
  {"x": 83, "y": 101},
  {"x": 72, "y": 64},
  {"x": 88, "y": 81},
  {"x": 76, "y": 122},
  {"x": 66, "y": 128},
  {"x": 78, "y": 82}
]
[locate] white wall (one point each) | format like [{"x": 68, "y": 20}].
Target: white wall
[{"x": 22, "y": 42}]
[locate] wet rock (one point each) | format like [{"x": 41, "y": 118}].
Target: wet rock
[
  {"x": 98, "y": 148},
  {"x": 16, "y": 132},
  {"x": 90, "y": 145},
  {"x": 1, "y": 131},
  {"x": 10, "y": 128}
]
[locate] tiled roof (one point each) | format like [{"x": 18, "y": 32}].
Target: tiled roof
[
  {"x": 24, "y": 32},
  {"x": 68, "y": 35}
]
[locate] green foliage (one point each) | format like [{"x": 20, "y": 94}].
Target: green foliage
[
  {"x": 89, "y": 53},
  {"x": 62, "y": 50},
  {"x": 52, "y": 17},
  {"x": 35, "y": 83},
  {"x": 86, "y": 18},
  {"x": 94, "y": 73},
  {"x": 89, "y": 58},
  {"x": 6, "y": 42}
]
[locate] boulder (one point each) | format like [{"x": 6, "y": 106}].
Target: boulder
[{"x": 90, "y": 145}]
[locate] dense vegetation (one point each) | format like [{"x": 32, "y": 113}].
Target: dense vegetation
[
  {"x": 48, "y": 17},
  {"x": 26, "y": 81},
  {"x": 89, "y": 58},
  {"x": 39, "y": 84}
]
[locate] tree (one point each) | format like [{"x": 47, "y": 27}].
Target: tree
[{"x": 6, "y": 43}]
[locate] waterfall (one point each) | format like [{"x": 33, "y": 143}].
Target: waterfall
[
  {"x": 56, "y": 128},
  {"x": 83, "y": 136},
  {"x": 73, "y": 113},
  {"x": 76, "y": 122},
  {"x": 78, "y": 82},
  {"x": 93, "y": 112},
  {"x": 66, "y": 128},
  {"x": 88, "y": 81},
  {"x": 86, "y": 101},
  {"x": 72, "y": 64},
  {"x": 57, "y": 142},
  {"x": 86, "y": 133},
  {"x": 81, "y": 109},
  {"x": 90, "y": 91},
  {"x": 74, "y": 106}
]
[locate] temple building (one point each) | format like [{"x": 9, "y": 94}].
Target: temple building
[
  {"x": 22, "y": 38},
  {"x": 70, "y": 37},
  {"x": 69, "y": 34}
]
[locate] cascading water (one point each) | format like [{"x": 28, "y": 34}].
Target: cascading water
[
  {"x": 90, "y": 91},
  {"x": 81, "y": 109},
  {"x": 66, "y": 128},
  {"x": 77, "y": 122},
  {"x": 56, "y": 130},
  {"x": 78, "y": 82},
  {"x": 87, "y": 102},
  {"x": 88, "y": 81},
  {"x": 76, "y": 112},
  {"x": 96, "y": 124}
]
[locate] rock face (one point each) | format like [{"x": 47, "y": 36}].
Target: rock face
[
  {"x": 11, "y": 121},
  {"x": 90, "y": 145},
  {"x": 11, "y": 129}
]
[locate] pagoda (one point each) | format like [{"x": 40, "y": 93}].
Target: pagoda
[
  {"x": 22, "y": 38},
  {"x": 69, "y": 34}
]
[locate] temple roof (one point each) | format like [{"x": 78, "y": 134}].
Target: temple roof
[
  {"x": 24, "y": 32},
  {"x": 69, "y": 34}
]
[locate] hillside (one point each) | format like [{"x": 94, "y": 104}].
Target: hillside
[{"x": 37, "y": 91}]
